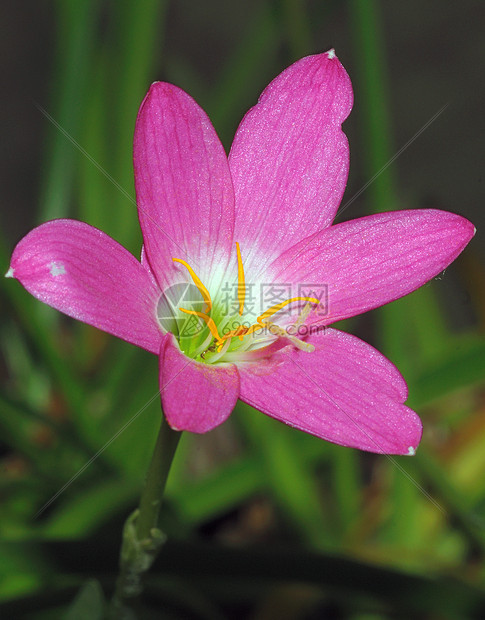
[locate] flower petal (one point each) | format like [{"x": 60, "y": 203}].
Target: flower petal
[
  {"x": 371, "y": 261},
  {"x": 183, "y": 186},
  {"x": 82, "y": 272},
  {"x": 195, "y": 397},
  {"x": 146, "y": 264},
  {"x": 345, "y": 392},
  {"x": 289, "y": 160}
]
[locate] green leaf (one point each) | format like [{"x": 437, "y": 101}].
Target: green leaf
[
  {"x": 90, "y": 508},
  {"x": 463, "y": 366},
  {"x": 287, "y": 474},
  {"x": 244, "y": 74},
  {"x": 218, "y": 493},
  {"x": 74, "y": 53}
]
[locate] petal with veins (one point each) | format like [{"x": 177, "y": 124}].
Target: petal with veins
[
  {"x": 368, "y": 262},
  {"x": 82, "y": 272},
  {"x": 289, "y": 159},
  {"x": 345, "y": 392},
  {"x": 183, "y": 186},
  {"x": 195, "y": 397}
]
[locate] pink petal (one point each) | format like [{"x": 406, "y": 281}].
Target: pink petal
[
  {"x": 195, "y": 397},
  {"x": 289, "y": 160},
  {"x": 371, "y": 261},
  {"x": 82, "y": 272},
  {"x": 345, "y": 392},
  {"x": 183, "y": 186}
]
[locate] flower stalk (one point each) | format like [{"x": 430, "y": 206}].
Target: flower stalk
[{"x": 142, "y": 539}]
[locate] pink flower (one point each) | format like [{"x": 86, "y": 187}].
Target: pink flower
[{"x": 233, "y": 230}]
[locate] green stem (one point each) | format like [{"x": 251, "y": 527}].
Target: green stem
[
  {"x": 151, "y": 497},
  {"x": 142, "y": 540}
]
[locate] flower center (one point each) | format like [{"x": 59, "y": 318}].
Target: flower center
[{"x": 245, "y": 341}]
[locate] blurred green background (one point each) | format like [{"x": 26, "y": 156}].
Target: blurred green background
[{"x": 263, "y": 521}]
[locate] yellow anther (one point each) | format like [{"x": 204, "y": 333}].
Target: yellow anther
[
  {"x": 209, "y": 322},
  {"x": 198, "y": 283},
  {"x": 241, "y": 283},
  {"x": 277, "y": 307}
]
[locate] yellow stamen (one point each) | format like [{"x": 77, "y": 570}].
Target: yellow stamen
[
  {"x": 241, "y": 284},
  {"x": 253, "y": 328},
  {"x": 198, "y": 283},
  {"x": 277, "y": 307},
  {"x": 276, "y": 330},
  {"x": 240, "y": 332},
  {"x": 222, "y": 342},
  {"x": 209, "y": 322}
]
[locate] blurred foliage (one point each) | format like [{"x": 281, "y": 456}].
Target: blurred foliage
[{"x": 298, "y": 528}]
